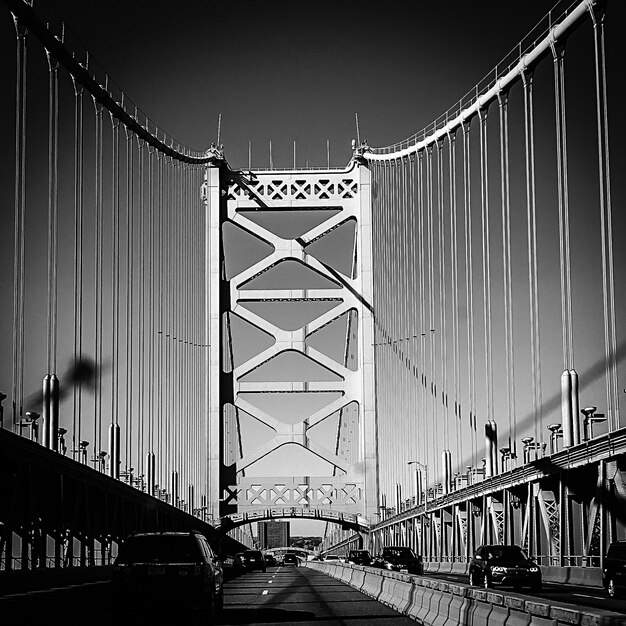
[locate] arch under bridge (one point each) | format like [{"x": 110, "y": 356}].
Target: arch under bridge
[{"x": 347, "y": 521}]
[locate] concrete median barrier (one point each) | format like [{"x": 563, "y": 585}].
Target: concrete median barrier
[{"x": 434, "y": 602}]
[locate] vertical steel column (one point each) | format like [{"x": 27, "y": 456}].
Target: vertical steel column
[
  {"x": 369, "y": 427},
  {"x": 213, "y": 322}
]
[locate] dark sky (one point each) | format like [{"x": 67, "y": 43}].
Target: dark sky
[{"x": 285, "y": 71}]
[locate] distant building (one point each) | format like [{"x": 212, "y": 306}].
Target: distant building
[{"x": 273, "y": 534}]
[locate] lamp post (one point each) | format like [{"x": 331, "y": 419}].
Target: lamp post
[
  {"x": 506, "y": 455},
  {"x": 590, "y": 416},
  {"x": 425, "y": 468},
  {"x": 30, "y": 422},
  {"x": 556, "y": 432},
  {"x": 61, "y": 432},
  {"x": 83, "y": 445},
  {"x": 526, "y": 441}
]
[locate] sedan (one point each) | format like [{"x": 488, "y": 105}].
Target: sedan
[
  {"x": 399, "y": 559},
  {"x": 503, "y": 565}
]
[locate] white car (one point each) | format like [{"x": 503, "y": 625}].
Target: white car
[{"x": 334, "y": 558}]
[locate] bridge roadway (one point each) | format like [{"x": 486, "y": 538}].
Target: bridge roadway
[{"x": 282, "y": 595}]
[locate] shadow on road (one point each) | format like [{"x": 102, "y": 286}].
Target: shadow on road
[{"x": 263, "y": 615}]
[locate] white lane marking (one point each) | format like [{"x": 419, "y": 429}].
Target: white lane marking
[
  {"x": 264, "y": 592},
  {"x": 270, "y": 581}
]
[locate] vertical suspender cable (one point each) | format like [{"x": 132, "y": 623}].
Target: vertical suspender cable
[
  {"x": 167, "y": 334},
  {"x": 531, "y": 212},
  {"x": 78, "y": 264},
  {"x": 141, "y": 315},
  {"x": 394, "y": 328},
  {"x": 115, "y": 286},
  {"x": 150, "y": 370},
  {"x": 158, "y": 331},
  {"x": 506, "y": 264},
  {"x": 98, "y": 279},
  {"x": 608, "y": 282},
  {"x": 454, "y": 290},
  {"x": 486, "y": 241},
  {"x": 469, "y": 280},
  {"x": 406, "y": 324},
  {"x": 442, "y": 292},
  {"x": 130, "y": 288},
  {"x": 431, "y": 312},
  {"x": 53, "y": 209},
  {"x": 413, "y": 331},
  {"x": 402, "y": 251},
  {"x": 19, "y": 231},
  {"x": 558, "y": 53},
  {"x": 422, "y": 298},
  {"x": 50, "y": 410},
  {"x": 179, "y": 447}
]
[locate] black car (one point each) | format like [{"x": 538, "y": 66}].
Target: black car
[
  {"x": 290, "y": 558},
  {"x": 359, "y": 557},
  {"x": 249, "y": 560},
  {"x": 614, "y": 571},
  {"x": 399, "y": 559},
  {"x": 166, "y": 570},
  {"x": 503, "y": 565},
  {"x": 270, "y": 559}
]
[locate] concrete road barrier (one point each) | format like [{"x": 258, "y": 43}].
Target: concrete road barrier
[{"x": 434, "y": 602}]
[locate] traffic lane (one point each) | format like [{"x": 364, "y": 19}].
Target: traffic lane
[
  {"x": 579, "y": 596},
  {"x": 301, "y": 595}
]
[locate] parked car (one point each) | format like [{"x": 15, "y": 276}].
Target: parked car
[
  {"x": 399, "y": 559},
  {"x": 359, "y": 557},
  {"x": 614, "y": 570},
  {"x": 503, "y": 565},
  {"x": 168, "y": 570},
  {"x": 290, "y": 558},
  {"x": 334, "y": 558},
  {"x": 249, "y": 560}
]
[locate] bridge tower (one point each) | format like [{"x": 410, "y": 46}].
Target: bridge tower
[{"x": 291, "y": 387}]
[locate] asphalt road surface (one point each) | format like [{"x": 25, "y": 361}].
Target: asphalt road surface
[
  {"x": 282, "y": 595},
  {"x": 299, "y": 595}
]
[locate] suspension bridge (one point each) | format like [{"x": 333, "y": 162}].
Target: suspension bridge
[{"x": 424, "y": 347}]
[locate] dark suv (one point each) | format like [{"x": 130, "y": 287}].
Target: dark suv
[
  {"x": 399, "y": 559},
  {"x": 359, "y": 557},
  {"x": 614, "y": 571},
  {"x": 176, "y": 567},
  {"x": 503, "y": 565},
  {"x": 253, "y": 559}
]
